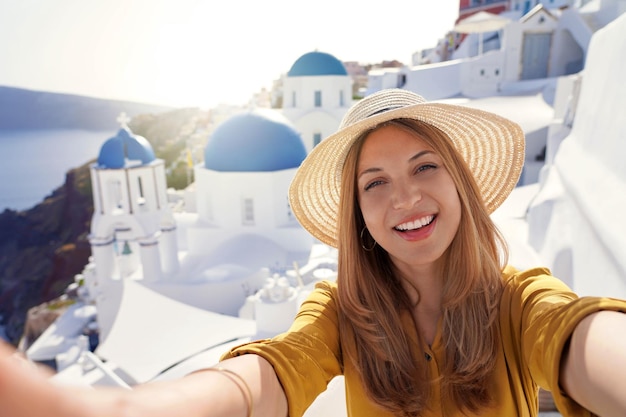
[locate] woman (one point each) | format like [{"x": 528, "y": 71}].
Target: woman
[{"x": 425, "y": 318}]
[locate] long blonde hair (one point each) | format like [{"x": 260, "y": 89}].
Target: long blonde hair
[{"x": 369, "y": 289}]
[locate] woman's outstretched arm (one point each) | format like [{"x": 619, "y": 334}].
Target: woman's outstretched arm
[
  {"x": 594, "y": 367},
  {"x": 26, "y": 392}
]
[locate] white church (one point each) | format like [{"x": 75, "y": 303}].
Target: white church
[
  {"x": 237, "y": 230},
  {"x": 317, "y": 92}
]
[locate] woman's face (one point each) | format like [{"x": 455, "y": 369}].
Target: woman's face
[{"x": 408, "y": 199}]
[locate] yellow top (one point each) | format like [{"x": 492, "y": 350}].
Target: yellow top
[{"x": 537, "y": 315}]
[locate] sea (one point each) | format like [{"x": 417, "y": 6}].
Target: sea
[{"x": 33, "y": 163}]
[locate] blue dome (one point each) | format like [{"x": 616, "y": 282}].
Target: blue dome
[
  {"x": 317, "y": 63},
  {"x": 126, "y": 146},
  {"x": 257, "y": 141}
]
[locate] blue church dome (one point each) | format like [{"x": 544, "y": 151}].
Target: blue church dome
[
  {"x": 123, "y": 147},
  {"x": 317, "y": 63},
  {"x": 256, "y": 141}
]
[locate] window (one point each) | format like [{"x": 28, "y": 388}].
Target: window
[
  {"x": 116, "y": 194},
  {"x": 289, "y": 212},
  {"x": 248, "y": 211},
  {"x": 318, "y": 99},
  {"x": 401, "y": 80},
  {"x": 317, "y": 138},
  {"x": 341, "y": 99},
  {"x": 141, "y": 198},
  {"x": 293, "y": 99},
  {"x": 526, "y": 7}
]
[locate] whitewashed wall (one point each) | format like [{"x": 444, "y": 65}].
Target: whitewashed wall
[{"x": 577, "y": 222}]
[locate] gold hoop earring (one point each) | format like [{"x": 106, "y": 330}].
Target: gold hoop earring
[{"x": 367, "y": 249}]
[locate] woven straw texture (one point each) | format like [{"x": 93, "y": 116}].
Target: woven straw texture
[{"x": 492, "y": 146}]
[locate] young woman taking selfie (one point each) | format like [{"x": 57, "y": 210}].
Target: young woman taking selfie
[{"x": 426, "y": 317}]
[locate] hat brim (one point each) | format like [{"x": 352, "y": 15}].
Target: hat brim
[{"x": 491, "y": 145}]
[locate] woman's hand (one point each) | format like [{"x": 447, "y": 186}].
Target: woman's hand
[{"x": 25, "y": 389}]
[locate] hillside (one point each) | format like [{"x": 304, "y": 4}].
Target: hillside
[
  {"x": 28, "y": 109},
  {"x": 41, "y": 249}
]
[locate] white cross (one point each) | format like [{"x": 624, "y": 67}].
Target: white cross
[{"x": 123, "y": 119}]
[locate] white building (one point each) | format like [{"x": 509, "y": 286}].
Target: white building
[
  {"x": 317, "y": 92},
  {"x": 576, "y": 220},
  {"x": 502, "y": 50},
  {"x": 240, "y": 232},
  {"x": 132, "y": 228}
]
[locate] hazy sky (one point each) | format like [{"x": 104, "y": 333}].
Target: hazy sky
[{"x": 200, "y": 52}]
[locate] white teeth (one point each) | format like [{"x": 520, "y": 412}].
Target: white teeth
[{"x": 415, "y": 224}]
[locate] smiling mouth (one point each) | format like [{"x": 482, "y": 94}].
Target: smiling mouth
[{"x": 415, "y": 224}]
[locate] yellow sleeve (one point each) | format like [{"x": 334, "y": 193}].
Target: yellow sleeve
[
  {"x": 307, "y": 356},
  {"x": 538, "y": 315}
]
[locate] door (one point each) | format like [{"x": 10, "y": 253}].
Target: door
[{"x": 535, "y": 55}]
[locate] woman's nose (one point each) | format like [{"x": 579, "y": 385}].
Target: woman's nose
[{"x": 406, "y": 195}]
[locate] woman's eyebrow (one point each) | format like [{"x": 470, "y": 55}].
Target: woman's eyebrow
[
  {"x": 368, "y": 171},
  {"x": 420, "y": 154}
]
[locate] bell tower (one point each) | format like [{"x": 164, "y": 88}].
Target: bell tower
[{"x": 133, "y": 233}]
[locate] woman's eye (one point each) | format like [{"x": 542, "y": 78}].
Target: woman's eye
[
  {"x": 372, "y": 184},
  {"x": 425, "y": 167}
]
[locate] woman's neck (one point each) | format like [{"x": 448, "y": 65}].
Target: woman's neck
[{"x": 424, "y": 286}]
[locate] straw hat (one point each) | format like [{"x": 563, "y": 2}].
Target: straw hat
[{"x": 492, "y": 146}]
